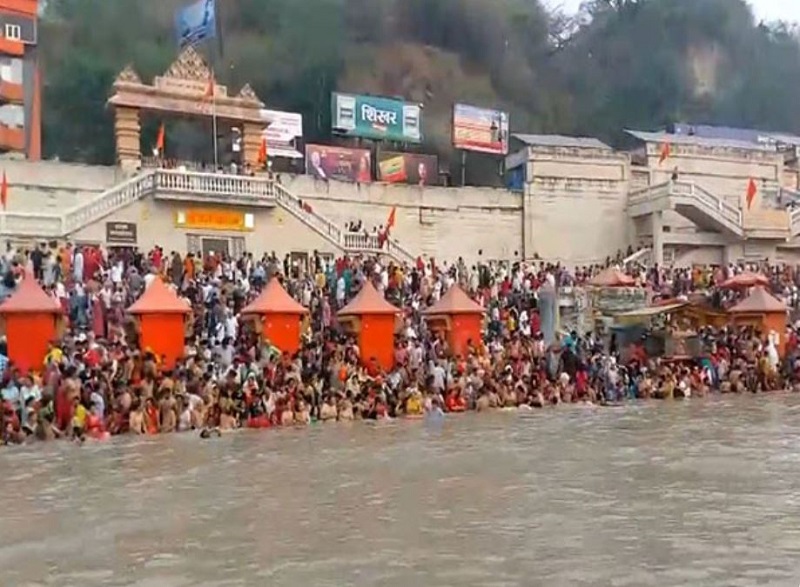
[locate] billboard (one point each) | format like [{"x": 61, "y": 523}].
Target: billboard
[
  {"x": 324, "y": 162},
  {"x": 282, "y": 130},
  {"x": 410, "y": 168},
  {"x": 372, "y": 117},
  {"x": 480, "y": 129}
]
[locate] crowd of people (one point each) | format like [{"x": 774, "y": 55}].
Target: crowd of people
[{"x": 96, "y": 381}]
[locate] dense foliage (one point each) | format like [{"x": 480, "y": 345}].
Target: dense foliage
[{"x": 618, "y": 64}]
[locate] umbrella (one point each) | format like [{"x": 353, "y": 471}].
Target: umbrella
[{"x": 744, "y": 280}]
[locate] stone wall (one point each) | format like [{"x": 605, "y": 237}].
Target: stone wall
[
  {"x": 575, "y": 204},
  {"x": 35, "y": 186},
  {"x": 438, "y": 222}
]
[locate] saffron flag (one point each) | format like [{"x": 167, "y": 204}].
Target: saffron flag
[
  {"x": 160, "y": 139},
  {"x": 391, "y": 219},
  {"x": 752, "y": 190},
  {"x": 666, "y": 151},
  {"x": 4, "y": 191},
  {"x": 262, "y": 151},
  {"x": 211, "y": 87}
]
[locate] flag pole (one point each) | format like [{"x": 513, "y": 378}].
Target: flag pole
[{"x": 214, "y": 119}]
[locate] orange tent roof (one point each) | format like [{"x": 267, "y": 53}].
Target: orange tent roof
[
  {"x": 758, "y": 302},
  {"x": 612, "y": 277},
  {"x": 455, "y": 301},
  {"x": 29, "y": 298},
  {"x": 273, "y": 299},
  {"x": 368, "y": 301},
  {"x": 745, "y": 279},
  {"x": 159, "y": 299}
]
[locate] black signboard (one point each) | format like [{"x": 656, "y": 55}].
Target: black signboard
[{"x": 121, "y": 233}]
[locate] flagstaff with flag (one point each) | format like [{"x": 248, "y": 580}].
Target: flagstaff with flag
[
  {"x": 666, "y": 152},
  {"x": 195, "y": 23},
  {"x": 4, "y": 191},
  {"x": 160, "y": 141},
  {"x": 752, "y": 191},
  {"x": 211, "y": 94}
]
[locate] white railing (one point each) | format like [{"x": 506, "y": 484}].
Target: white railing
[
  {"x": 193, "y": 184},
  {"x": 707, "y": 201},
  {"x": 637, "y": 255},
  {"x": 108, "y": 202},
  {"x": 214, "y": 184},
  {"x": 648, "y": 193},
  {"x": 358, "y": 241},
  {"x": 322, "y": 225},
  {"x": 794, "y": 221},
  {"x": 396, "y": 250}
]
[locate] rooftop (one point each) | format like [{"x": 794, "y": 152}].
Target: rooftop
[
  {"x": 679, "y": 139},
  {"x": 561, "y": 141}
]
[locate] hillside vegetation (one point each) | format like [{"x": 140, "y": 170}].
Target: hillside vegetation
[{"x": 619, "y": 64}]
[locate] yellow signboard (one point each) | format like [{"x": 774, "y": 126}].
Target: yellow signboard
[{"x": 215, "y": 219}]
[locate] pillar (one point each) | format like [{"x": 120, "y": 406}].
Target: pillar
[
  {"x": 658, "y": 237},
  {"x": 127, "y": 130},
  {"x": 732, "y": 253},
  {"x": 528, "y": 241},
  {"x": 251, "y": 142}
]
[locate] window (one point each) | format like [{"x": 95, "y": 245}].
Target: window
[{"x": 13, "y": 32}]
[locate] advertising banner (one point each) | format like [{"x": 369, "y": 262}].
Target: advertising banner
[
  {"x": 282, "y": 130},
  {"x": 480, "y": 129},
  {"x": 324, "y": 162},
  {"x": 372, "y": 117},
  {"x": 410, "y": 168}
]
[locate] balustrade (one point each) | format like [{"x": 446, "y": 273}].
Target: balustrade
[{"x": 214, "y": 184}]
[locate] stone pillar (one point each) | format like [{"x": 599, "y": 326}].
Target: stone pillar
[
  {"x": 658, "y": 237},
  {"x": 127, "y": 129},
  {"x": 528, "y": 240},
  {"x": 251, "y": 142}
]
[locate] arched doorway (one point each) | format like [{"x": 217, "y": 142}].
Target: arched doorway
[{"x": 183, "y": 92}]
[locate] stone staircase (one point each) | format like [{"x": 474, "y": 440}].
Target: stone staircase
[
  {"x": 690, "y": 200},
  {"x": 197, "y": 187}
]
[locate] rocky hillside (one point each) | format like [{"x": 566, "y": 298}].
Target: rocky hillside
[{"x": 620, "y": 63}]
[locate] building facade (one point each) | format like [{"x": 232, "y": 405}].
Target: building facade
[{"x": 20, "y": 84}]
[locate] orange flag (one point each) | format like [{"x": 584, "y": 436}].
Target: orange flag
[
  {"x": 752, "y": 190},
  {"x": 666, "y": 151},
  {"x": 210, "y": 88},
  {"x": 262, "y": 151},
  {"x": 160, "y": 139},
  {"x": 4, "y": 191},
  {"x": 390, "y": 220}
]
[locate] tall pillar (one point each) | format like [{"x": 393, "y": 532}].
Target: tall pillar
[
  {"x": 251, "y": 142},
  {"x": 658, "y": 237},
  {"x": 528, "y": 240},
  {"x": 127, "y": 129}
]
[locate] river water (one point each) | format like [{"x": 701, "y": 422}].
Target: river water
[{"x": 700, "y": 493}]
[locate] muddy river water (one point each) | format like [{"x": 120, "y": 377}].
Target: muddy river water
[{"x": 700, "y": 493}]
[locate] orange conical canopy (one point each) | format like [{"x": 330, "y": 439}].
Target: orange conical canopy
[
  {"x": 274, "y": 300},
  {"x": 455, "y": 301},
  {"x": 612, "y": 277},
  {"x": 159, "y": 299},
  {"x": 368, "y": 301},
  {"x": 759, "y": 301},
  {"x": 29, "y": 298}
]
